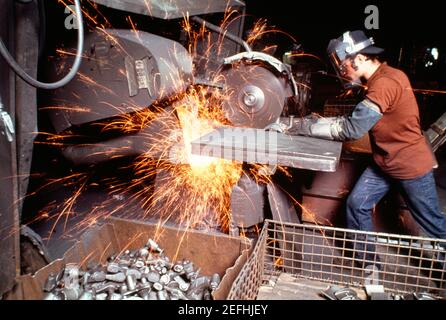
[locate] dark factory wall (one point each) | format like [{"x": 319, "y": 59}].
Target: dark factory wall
[{"x": 315, "y": 22}]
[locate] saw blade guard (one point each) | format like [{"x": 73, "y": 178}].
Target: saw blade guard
[{"x": 256, "y": 88}]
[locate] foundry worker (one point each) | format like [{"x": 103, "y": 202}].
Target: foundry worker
[{"x": 389, "y": 111}]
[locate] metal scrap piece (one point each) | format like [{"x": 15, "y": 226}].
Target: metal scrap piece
[
  {"x": 153, "y": 278},
  {"x": 269, "y": 147}
]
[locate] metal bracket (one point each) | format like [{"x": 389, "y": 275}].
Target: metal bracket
[
  {"x": 436, "y": 134},
  {"x": 6, "y": 124}
]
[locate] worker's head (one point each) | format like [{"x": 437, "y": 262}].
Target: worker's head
[{"x": 353, "y": 56}]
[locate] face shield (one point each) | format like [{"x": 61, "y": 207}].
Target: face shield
[
  {"x": 346, "y": 47},
  {"x": 340, "y": 68}
]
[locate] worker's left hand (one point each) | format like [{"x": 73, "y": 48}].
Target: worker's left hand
[
  {"x": 302, "y": 127},
  {"x": 278, "y": 127}
]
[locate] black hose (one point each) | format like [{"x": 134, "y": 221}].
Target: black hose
[{"x": 49, "y": 86}]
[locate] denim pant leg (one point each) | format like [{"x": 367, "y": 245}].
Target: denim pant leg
[
  {"x": 371, "y": 187},
  {"x": 421, "y": 198},
  {"x": 368, "y": 191}
]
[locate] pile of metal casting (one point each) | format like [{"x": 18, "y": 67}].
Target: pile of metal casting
[{"x": 142, "y": 274}]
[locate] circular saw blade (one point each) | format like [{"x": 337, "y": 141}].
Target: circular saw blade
[{"x": 254, "y": 96}]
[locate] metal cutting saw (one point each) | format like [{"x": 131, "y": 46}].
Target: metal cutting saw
[
  {"x": 146, "y": 68},
  {"x": 257, "y": 87}
]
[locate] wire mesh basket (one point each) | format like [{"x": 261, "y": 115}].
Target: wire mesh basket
[{"x": 403, "y": 264}]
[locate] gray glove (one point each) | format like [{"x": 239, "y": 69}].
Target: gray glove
[
  {"x": 365, "y": 115},
  {"x": 301, "y": 126},
  {"x": 318, "y": 127},
  {"x": 276, "y": 126}
]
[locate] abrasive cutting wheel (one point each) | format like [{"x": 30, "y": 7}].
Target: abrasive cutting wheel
[{"x": 254, "y": 95}]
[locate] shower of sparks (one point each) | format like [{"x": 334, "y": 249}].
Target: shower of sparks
[
  {"x": 168, "y": 182},
  {"x": 191, "y": 189}
]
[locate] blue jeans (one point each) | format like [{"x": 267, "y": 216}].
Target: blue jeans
[{"x": 420, "y": 195}]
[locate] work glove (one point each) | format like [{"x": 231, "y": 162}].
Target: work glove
[
  {"x": 365, "y": 115},
  {"x": 303, "y": 126},
  {"x": 276, "y": 126},
  {"x": 318, "y": 127}
]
